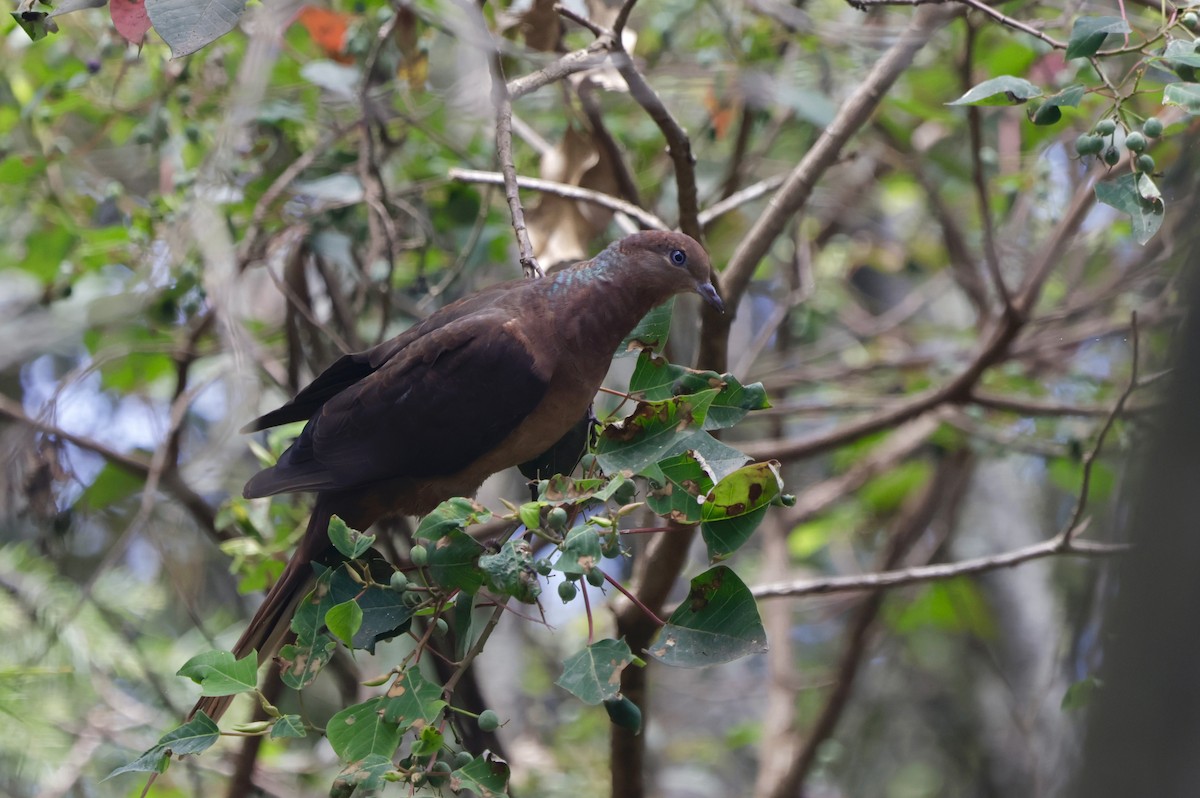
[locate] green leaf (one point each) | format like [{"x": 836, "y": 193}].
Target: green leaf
[
  {"x": 486, "y": 776},
  {"x": 218, "y": 673},
  {"x": 955, "y": 605},
  {"x": 725, "y": 537},
  {"x": 718, "y": 622},
  {"x": 678, "y": 487},
  {"x": 301, "y": 663},
  {"x": 721, "y": 458},
  {"x": 359, "y": 731},
  {"x": 456, "y": 514},
  {"x": 565, "y": 490},
  {"x": 743, "y": 492},
  {"x": 412, "y": 700},
  {"x": 195, "y": 736},
  {"x": 1067, "y": 474},
  {"x": 1088, "y": 35},
  {"x": 594, "y": 674},
  {"x": 1070, "y": 97},
  {"x": 887, "y": 492},
  {"x": 110, "y": 486},
  {"x": 36, "y": 28},
  {"x": 651, "y": 332},
  {"x": 1079, "y": 694},
  {"x": 1180, "y": 52},
  {"x": 454, "y": 562},
  {"x": 1137, "y": 196},
  {"x": 288, "y": 726},
  {"x": 510, "y": 571},
  {"x": 654, "y": 379},
  {"x": 344, "y": 620},
  {"x": 1004, "y": 90},
  {"x": 428, "y": 743},
  {"x": 580, "y": 550},
  {"x": 1183, "y": 95},
  {"x": 350, "y": 542},
  {"x": 384, "y": 614},
  {"x": 530, "y": 514},
  {"x": 21, "y": 169},
  {"x": 364, "y": 776},
  {"x": 186, "y": 26},
  {"x": 654, "y": 430}
]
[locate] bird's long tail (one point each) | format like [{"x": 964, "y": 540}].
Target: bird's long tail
[{"x": 271, "y": 623}]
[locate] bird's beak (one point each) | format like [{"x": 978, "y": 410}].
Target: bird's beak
[{"x": 711, "y": 296}]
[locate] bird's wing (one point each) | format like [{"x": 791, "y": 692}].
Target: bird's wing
[
  {"x": 353, "y": 368},
  {"x": 437, "y": 405}
]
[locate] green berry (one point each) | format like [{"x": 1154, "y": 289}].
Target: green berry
[
  {"x": 1135, "y": 141},
  {"x": 412, "y": 599},
  {"x": 595, "y": 577},
  {"x": 419, "y": 555},
  {"x": 567, "y": 591},
  {"x": 556, "y": 519},
  {"x": 1111, "y": 156},
  {"x": 440, "y": 627},
  {"x": 1145, "y": 164},
  {"x": 1153, "y": 127},
  {"x": 1190, "y": 20},
  {"x": 625, "y": 493},
  {"x": 489, "y": 721},
  {"x": 462, "y": 759},
  {"x": 1105, "y": 127},
  {"x": 624, "y": 713},
  {"x": 1088, "y": 144},
  {"x": 440, "y": 772},
  {"x": 398, "y": 582},
  {"x": 542, "y": 566}
]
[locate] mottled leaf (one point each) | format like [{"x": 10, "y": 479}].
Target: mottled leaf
[
  {"x": 594, "y": 674},
  {"x": 350, "y": 542},
  {"x": 1137, "y": 196},
  {"x": 652, "y": 431},
  {"x": 359, "y": 731},
  {"x": 218, "y": 673},
  {"x": 288, "y": 726},
  {"x": 486, "y": 776},
  {"x": 412, "y": 700},
  {"x": 510, "y": 571},
  {"x": 718, "y": 622}
]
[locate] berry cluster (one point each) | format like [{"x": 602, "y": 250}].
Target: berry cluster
[{"x": 1102, "y": 142}]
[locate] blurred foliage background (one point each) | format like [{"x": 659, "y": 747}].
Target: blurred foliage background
[{"x": 186, "y": 242}]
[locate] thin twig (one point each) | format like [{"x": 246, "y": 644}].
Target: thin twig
[
  {"x": 1070, "y": 529},
  {"x": 502, "y": 101},
  {"x": 1015, "y": 24},
  {"x": 679, "y": 146},
  {"x": 930, "y": 573},
  {"x": 979, "y": 178},
  {"x": 643, "y": 217}
]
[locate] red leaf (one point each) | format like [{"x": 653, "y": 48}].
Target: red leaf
[
  {"x": 130, "y": 19},
  {"x": 328, "y": 29}
]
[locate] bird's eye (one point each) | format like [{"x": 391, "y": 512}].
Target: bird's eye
[{"x": 678, "y": 257}]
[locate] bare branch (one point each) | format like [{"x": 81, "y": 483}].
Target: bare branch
[
  {"x": 796, "y": 190},
  {"x": 1065, "y": 538},
  {"x": 930, "y": 573},
  {"x": 643, "y": 217}
]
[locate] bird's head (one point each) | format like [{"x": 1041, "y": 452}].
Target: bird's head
[{"x": 674, "y": 261}]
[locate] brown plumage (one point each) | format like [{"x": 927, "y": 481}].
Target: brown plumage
[{"x": 491, "y": 381}]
